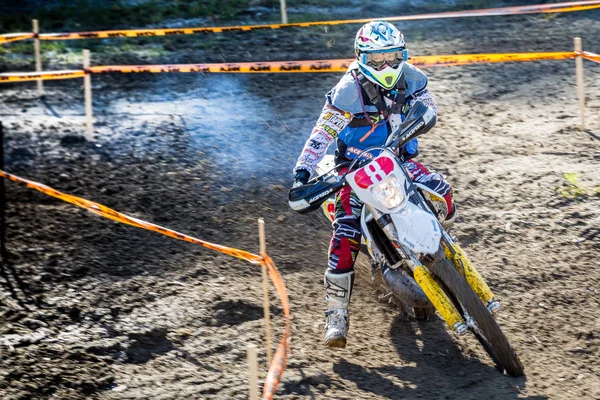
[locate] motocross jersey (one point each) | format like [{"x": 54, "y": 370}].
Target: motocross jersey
[{"x": 359, "y": 114}]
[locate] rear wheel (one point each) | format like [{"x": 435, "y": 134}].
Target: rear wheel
[{"x": 486, "y": 330}]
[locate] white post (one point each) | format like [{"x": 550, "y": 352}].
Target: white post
[
  {"x": 87, "y": 86},
  {"x": 38, "y": 59},
  {"x": 579, "y": 75},
  {"x": 266, "y": 311},
  {"x": 284, "y": 19},
  {"x": 252, "y": 371}
]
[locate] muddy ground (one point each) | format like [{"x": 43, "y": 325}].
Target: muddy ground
[{"x": 101, "y": 310}]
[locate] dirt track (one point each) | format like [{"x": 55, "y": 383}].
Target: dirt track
[{"x": 114, "y": 312}]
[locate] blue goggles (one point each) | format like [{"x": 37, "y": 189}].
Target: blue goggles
[{"x": 378, "y": 59}]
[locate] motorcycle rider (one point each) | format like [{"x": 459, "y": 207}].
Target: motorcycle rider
[{"x": 367, "y": 104}]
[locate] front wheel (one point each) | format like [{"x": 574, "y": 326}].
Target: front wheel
[{"x": 487, "y": 330}]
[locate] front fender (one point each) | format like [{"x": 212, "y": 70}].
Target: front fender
[{"x": 417, "y": 229}]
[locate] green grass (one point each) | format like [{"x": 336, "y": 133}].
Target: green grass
[
  {"x": 76, "y": 15},
  {"x": 300, "y": 3},
  {"x": 87, "y": 15},
  {"x": 22, "y": 47},
  {"x": 113, "y": 14},
  {"x": 573, "y": 188}
]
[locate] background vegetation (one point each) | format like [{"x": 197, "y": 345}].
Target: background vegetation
[{"x": 56, "y": 15}]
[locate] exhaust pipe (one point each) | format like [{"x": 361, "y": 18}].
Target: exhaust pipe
[{"x": 405, "y": 288}]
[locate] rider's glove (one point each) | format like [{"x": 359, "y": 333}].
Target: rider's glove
[
  {"x": 301, "y": 177},
  {"x": 410, "y": 150}
]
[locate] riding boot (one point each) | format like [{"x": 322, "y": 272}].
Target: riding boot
[{"x": 338, "y": 287}]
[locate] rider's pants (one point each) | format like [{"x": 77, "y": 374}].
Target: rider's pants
[{"x": 345, "y": 243}]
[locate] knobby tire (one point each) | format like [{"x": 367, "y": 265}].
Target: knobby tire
[{"x": 458, "y": 286}]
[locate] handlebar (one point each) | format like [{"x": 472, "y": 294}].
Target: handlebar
[
  {"x": 420, "y": 119},
  {"x": 309, "y": 197}
]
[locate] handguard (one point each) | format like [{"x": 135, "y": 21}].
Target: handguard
[
  {"x": 307, "y": 198},
  {"x": 419, "y": 120}
]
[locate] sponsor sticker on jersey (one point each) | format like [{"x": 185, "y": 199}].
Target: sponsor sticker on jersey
[
  {"x": 338, "y": 120},
  {"x": 359, "y": 152},
  {"x": 315, "y": 144},
  {"x": 333, "y": 122}
]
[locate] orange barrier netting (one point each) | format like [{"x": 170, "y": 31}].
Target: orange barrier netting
[
  {"x": 515, "y": 10},
  {"x": 287, "y": 66},
  {"x": 280, "y": 360}
]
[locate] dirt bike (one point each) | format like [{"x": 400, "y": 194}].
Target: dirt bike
[{"x": 419, "y": 262}]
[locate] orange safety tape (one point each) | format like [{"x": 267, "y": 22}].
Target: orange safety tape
[
  {"x": 331, "y": 65},
  {"x": 46, "y": 75},
  {"x": 125, "y": 219},
  {"x": 13, "y": 37},
  {"x": 590, "y": 56},
  {"x": 287, "y": 66},
  {"x": 279, "y": 362},
  {"x": 245, "y": 67},
  {"x": 467, "y": 59},
  {"x": 514, "y": 10}
]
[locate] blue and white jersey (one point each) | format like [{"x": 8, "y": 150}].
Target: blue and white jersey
[{"x": 345, "y": 103}]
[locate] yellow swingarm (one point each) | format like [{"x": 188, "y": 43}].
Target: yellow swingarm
[
  {"x": 466, "y": 269},
  {"x": 438, "y": 298}
]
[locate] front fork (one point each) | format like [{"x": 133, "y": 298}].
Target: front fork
[
  {"x": 423, "y": 277},
  {"x": 458, "y": 257},
  {"x": 439, "y": 298}
]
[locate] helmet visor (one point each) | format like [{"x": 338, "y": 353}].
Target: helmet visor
[{"x": 379, "y": 59}]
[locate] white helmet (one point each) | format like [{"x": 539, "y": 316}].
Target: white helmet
[{"x": 380, "y": 52}]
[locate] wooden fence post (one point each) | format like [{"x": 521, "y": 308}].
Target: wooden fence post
[
  {"x": 252, "y": 371},
  {"x": 87, "y": 84},
  {"x": 284, "y": 18},
  {"x": 266, "y": 311},
  {"x": 579, "y": 76},
  {"x": 38, "y": 59},
  {"x": 2, "y": 204}
]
